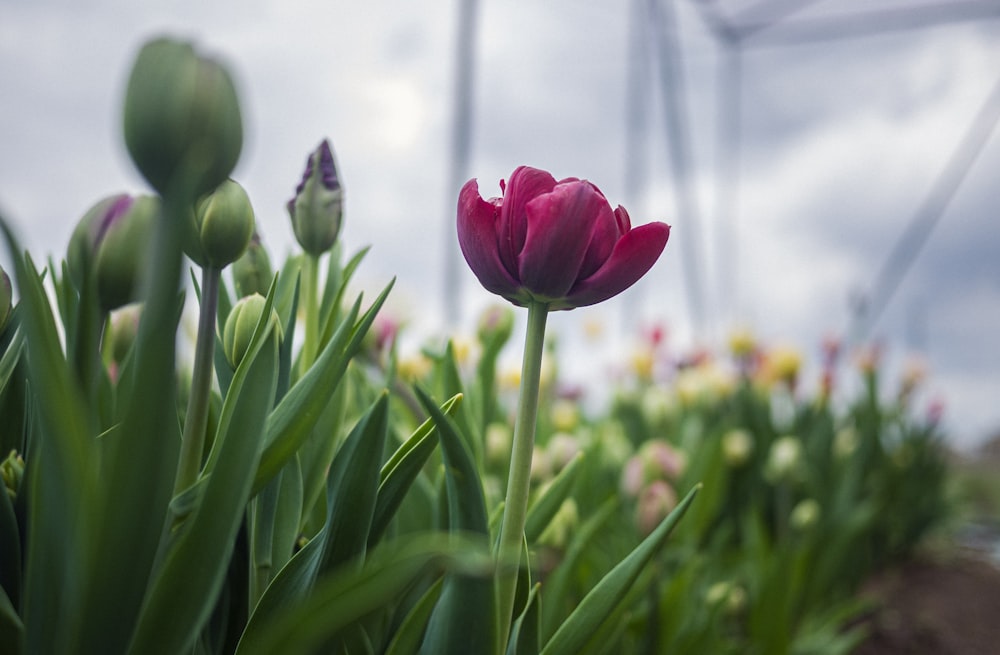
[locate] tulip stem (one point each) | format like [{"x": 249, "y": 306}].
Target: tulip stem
[
  {"x": 196, "y": 419},
  {"x": 518, "y": 482},
  {"x": 310, "y": 284}
]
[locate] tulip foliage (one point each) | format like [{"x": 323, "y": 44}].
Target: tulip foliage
[{"x": 332, "y": 494}]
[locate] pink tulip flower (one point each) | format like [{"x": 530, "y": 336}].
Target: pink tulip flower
[{"x": 554, "y": 242}]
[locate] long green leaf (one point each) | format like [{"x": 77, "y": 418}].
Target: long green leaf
[
  {"x": 61, "y": 476},
  {"x": 402, "y": 469},
  {"x": 187, "y": 583},
  {"x": 542, "y": 511},
  {"x": 138, "y": 459},
  {"x": 524, "y": 634},
  {"x": 406, "y": 640},
  {"x": 10, "y": 550},
  {"x": 297, "y": 413},
  {"x": 11, "y": 356},
  {"x": 464, "y": 619},
  {"x": 606, "y": 595},
  {"x": 351, "y": 490},
  {"x": 557, "y": 584},
  {"x": 350, "y": 593},
  {"x": 11, "y": 627}
]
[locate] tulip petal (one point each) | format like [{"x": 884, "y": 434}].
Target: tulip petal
[
  {"x": 477, "y": 236},
  {"x": 634, "y": 254},
  {"x": 524, "y": 184},
  {"x": 560, "y": 226},
  {"x": 605, "y": 233}
]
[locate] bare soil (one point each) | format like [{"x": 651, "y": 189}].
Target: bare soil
[{"x": 936, "y": 605}]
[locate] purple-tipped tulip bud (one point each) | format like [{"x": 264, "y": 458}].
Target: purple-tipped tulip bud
[
  {"x": 240, "y": 325},
  {"x": 317, "y": 209},
  {"x": 556, "y": 242},
  {"x": 6, "y": 298},
  {"x": 252, "y": 272},
  {"x": 220, "y": 227},
  {"x": 182, "y": 118},
  {"x": 110, "y": 242}
]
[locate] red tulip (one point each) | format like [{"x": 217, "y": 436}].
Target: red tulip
[{"x": 555, "y": 242}]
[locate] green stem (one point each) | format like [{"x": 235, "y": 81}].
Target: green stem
[
  {"x": 196, "y": 419},
  {"x": 310, "y": 283},
  {"x": 516, "y": 505}
]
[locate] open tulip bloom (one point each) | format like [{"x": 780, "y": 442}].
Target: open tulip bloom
[
  {"x": 546, "y": 245},
  {"x": 555, "y": 242}
]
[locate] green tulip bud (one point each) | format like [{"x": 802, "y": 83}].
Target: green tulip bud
[
  {"x": 318, "y": 206},
  {"x": 110, "y": 242},
  {"x": 220, "y": 228},
  {"x": 6, "y": 298},
  {"x": 252, "y": 271},
  {"x": 11, "y": 473},
  {"x": 784, "y": 459},
  {"x": 182, "y": 118},
  {"x": 495, "y": 326},
  {"x": 123, "y": 330},
  {"x": 805, "y": 514},
  {"x": 240, "y": 325}
]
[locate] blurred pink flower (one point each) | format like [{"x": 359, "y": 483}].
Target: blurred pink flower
[{"x": 557, "y": 242}]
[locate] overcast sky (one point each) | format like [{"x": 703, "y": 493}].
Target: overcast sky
[{"x": 841, "y": 140}]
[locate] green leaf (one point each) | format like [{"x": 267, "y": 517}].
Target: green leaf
[
  {"x": 350, "y": 593},
  {"x": 11, "y": 627},
  {"x": 139, "y": 457},
  {"x": 351, "y": 490},
  {"x": 464, "y": 619},
  {"x": 60, "y": 478},
  {"x": 542, "y": 511},
  {"x": 297, "y": 413},
  {"x": 289, "y": 513},
  {"x": 336, "y": 287},
  {"x": 402, "y": 469},
  {"x": 557, "y": 584},
  {"x": 406, "y": 640},
  {"x": 186, "y": 586},
  {"x": 10, "y": 358},
  {"x": 451, "y": 381},
  {"x": 525, "y": 633},
  {"x": 606, "y": 595},
  {"x": 10, "y": 550}
]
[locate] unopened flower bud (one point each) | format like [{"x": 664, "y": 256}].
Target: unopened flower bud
[
  {"x": 182, "y": 118},
  {"x": 656, "y": 501},
  {"x": 318, "y": 206},
  {"x": 6, "y": 298},
  {"x": 737, "y": 446},
  {"x": 111, "y": 242},
  {"x": 805, "y": 514},
  {"x": 562, "y": 448},
  {"x": 252, "y": 272},
  {"x": 220, "y": 227},
  {"x": 718, "y": 592},
  {"x": 11, "y": 473},
  {"x": 565, "y": 415},
  {"x": 784, "y": 458},
  {"x": 495, "y": 325},
  {"x": 556, "y": 533},
  {"x": 123, "y": 330},
  {"x": 240, "y": 326},
  {"x": 499, "y": 440},
  {"x": 845, "y": 442}
]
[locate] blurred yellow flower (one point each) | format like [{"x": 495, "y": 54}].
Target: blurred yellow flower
[{"x": 742, "y": 342}]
